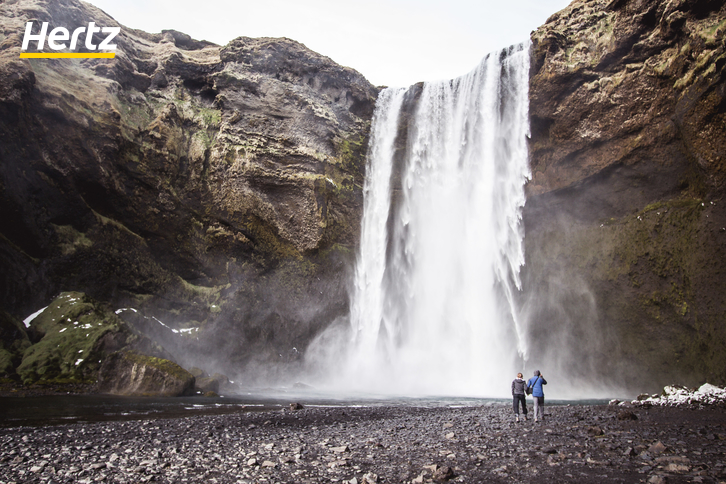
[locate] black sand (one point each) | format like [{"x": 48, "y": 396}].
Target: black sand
[{"x": 379, "y": 444}]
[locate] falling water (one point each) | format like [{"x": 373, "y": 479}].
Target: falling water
[{"x": 432, "y": 308}]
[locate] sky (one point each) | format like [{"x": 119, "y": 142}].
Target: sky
[{"x": 392, "y": 42}]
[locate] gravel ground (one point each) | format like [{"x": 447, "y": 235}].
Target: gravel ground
[{"x": 378, "y": 444}]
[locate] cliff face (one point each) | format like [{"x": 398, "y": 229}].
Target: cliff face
[
  {"x": 217, "y": 189},
  {"x": 625, "y": 223}
]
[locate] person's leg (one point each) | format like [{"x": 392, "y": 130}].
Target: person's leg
[
  {"x": 515, "y": 404},
  {"x": 523, "y": 399},
  {"x": 539, "y": 408}
]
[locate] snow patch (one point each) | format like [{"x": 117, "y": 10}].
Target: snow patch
[
  {"x": 119, "y": 311},
  {"x": 676, "y": 396},
  {"x": 33, "y": 316}
]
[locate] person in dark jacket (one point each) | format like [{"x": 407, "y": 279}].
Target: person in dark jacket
[
  {"x": 536, "y": 383},
  {"x": 518, "y": 396}
]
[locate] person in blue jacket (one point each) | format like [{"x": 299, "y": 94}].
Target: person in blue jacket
[{"x": 535, "y": 383}]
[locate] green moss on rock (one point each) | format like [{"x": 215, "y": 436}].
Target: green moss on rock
[{"x": 71, "y": 328}]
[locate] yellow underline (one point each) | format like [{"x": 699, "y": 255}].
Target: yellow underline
[{"x": 66, "y": 55}]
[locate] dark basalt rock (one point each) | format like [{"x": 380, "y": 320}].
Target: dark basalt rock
[
  {"x": 129, "y": 373},
  {"x": 625, "y": 249},
  {"x": 216, "y": 189}
]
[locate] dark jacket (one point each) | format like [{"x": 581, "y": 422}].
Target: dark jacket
[{"x": 518, "y": 386}]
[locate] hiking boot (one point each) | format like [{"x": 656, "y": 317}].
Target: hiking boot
[{"x": 516, "y": 418}]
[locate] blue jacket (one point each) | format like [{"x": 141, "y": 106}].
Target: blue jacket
[{"x": 536, "y": 382}]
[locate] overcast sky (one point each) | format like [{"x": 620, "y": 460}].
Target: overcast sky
[{"x": 392, "y": 42}]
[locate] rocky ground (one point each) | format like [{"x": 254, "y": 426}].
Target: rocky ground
[{"x": 378, "y": 444}]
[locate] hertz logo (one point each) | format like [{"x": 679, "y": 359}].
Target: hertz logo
[{"x": 60, "y": 38}]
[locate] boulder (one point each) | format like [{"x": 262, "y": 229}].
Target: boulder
[
  {"x": 74, "y": 334},
  {"x": 198, "y": 373},
  {"x": 214, "y": 383},
  {"x": 133, "y": 374},
  {"x": 13, "y": 342}
]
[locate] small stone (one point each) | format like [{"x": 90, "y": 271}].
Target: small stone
[
  {"x": 450, "y": 435},
  {"x": 595, "y": 431},
  {"x": 444, "y": 473},
  {"x": 673, "y": 467},
  {"x": 370, "y": 478},
  {"x": 296, "y": 406},
  {"x": 627, "y": 415},
  {"x": 340, "y": 450},
  {"x": 657, "y": 448},
  {"x": 656, "y": 479},
  {"x": 268, "y": 463}
]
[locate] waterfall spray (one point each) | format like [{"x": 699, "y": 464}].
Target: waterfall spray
[{"x": 433, "y": 307}]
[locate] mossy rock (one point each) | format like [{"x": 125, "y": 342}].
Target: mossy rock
[
  {"x": 198, "y": 373},
  {"x": 6, "y": 363},
  {"x": 75, "y": 335},
  {"x": 13, "y": 342},
  {"x": 213, "y": 383},
  {"x": 133, "y": 374}
]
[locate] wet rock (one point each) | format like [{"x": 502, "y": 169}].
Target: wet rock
[
  {"x": 130, "y": 373},
  {"x": 198, "y": 373},
  {"x": 379, "y": 444},
  {"x": 207, "y": 384},
  {"x": 657, "y": 448},
  {"x": 627, "y": 415},
  {"x": 443, "y": 473}
]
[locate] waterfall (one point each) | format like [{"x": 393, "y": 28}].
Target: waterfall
[{"x": 433, "y": 301}]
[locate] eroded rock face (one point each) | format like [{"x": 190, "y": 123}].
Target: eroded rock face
[
  {"x": 131, "y": 374},
  {"x": 625, "y": 238},
  {"x": 214, "y": 188},
  {"x": 626, "y": 102},
  {"x": 69, "y": 340}
]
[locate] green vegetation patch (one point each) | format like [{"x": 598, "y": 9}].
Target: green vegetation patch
[{"x": 72, "y": 326}]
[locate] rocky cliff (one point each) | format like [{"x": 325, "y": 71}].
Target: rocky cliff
[
  {"x": 215, "y": 190},
  {"x": 625, "y": 219},
  {"x": 211, "y": 196}
]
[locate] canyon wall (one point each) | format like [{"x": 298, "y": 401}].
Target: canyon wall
[
  {"x": 212, "y": 196},
  {"x": 215, "y": 190},
  {"x": 625, "y": 218}
]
